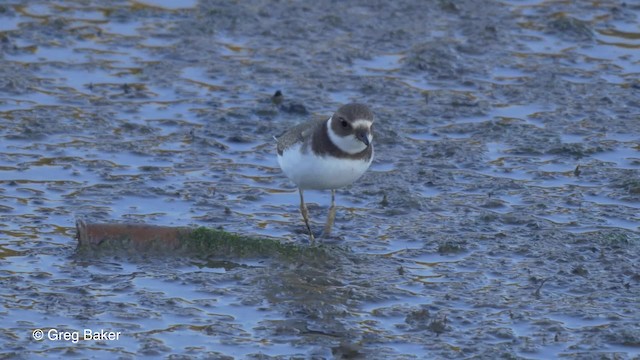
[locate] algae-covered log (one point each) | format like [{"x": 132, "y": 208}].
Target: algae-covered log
[{"x": 143, "y": 239}]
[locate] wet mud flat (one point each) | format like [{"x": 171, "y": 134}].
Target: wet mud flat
[{"x": 500, "y": 218}]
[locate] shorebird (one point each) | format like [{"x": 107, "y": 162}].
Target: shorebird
[{"x": 327, "y": 154}]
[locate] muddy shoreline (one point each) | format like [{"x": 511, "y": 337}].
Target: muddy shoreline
[{"x": 499, "y": 218}]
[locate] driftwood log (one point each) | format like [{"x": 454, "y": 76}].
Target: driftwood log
[
  {"x": 134, "y": 237},
  {"x": 98, "y": 238}
]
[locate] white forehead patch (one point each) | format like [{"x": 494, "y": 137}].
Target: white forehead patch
[{"x": 362, "y": 123}]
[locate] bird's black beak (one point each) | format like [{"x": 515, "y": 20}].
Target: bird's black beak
[{"x": 363, "y": 135}]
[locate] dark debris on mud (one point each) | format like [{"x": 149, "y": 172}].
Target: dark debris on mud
[{"x": 500, "y": 217}]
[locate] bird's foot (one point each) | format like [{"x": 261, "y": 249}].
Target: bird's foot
[{"x": 329, "y": 238}]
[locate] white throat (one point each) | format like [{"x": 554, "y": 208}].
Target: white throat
[{"x": 349, "y": 144}]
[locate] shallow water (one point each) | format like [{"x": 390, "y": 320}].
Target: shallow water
[{"x": 500, "y": 215}]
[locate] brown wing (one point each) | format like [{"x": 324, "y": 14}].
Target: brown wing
[{"x": 298, "y": 134}]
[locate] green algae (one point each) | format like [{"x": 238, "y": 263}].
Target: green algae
[{"x": 207, "y": 241}]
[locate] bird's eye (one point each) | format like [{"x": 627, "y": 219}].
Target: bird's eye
[{"x": 344, "y": 123}]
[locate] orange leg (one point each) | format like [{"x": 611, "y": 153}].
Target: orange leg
[
  {"x": 331, "y": 217},
  {"x": 305, "y": 217}
]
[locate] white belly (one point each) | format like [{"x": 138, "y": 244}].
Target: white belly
[{"x": 314, "y": 172}]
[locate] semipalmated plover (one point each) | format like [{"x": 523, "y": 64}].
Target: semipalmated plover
[{"x": 327, "y": 154}]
